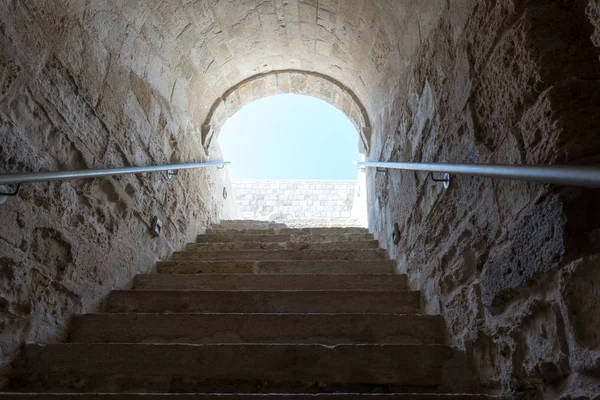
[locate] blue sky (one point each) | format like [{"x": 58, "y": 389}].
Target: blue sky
[{"x": 290, "y": 136}]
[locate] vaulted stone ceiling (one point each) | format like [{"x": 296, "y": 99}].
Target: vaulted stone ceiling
[{"x": 194, "y": 51}]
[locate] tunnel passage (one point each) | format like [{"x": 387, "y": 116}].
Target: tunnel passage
[
  {"x": 97, "y": 84},
  {"x": 91, "y": 84}
]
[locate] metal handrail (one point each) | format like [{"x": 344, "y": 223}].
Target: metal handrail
[
  {"x": 32, "y": 177},
  {"x": 572, "y": 175}
]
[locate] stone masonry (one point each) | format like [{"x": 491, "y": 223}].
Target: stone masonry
[
  {"x": 511, "y": 267},
  {"x": 285, "y": 199},
  {"x": 501, "y": 82}
]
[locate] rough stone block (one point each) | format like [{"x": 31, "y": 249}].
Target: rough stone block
[
  {"x": 580, "y": 291},
  {"x": 532, "y": 245}
]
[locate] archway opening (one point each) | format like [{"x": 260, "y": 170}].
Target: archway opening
[{"x": 293, "y": 161}]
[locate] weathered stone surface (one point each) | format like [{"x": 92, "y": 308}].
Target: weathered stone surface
[
  {"x": 250, "y": 224},
  {"x": 76, "y": 93},
  {"x": 145, "y": 366},
  {"x": 270, "y": 282},
  {"x": 228, "y": 238},
  {"x": 284, "y": 255},
  {"x": 326, "y": 267},
  {"x": 543, "y": 345},
  {"x": 308, "y": 232},
  {"x": 347, "y": 301},
  {"x": 235, "y": 246},
  {"x": 580, "y": 290},
  {"x": 206, "y": 267},
  {"x": 331, "y": 329},
  {"x": 286, "y": 396},
  {"x": 593, "y": 13},
  {"x": 295, "y": 199},
  {"x": 225, "y": 237},
  {"x": 277, "y": 267},
  {"x": 531, "y": 244},
  {"x": 507, "y": 82}
]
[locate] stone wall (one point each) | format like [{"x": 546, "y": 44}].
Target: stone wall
[
  {"x": 512, "y": 266},
  {"x": 79, "y": 88},
  {"x": 285, "y": 199}
]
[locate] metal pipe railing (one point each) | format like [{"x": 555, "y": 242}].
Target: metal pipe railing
[
  {"x": 33, "y": 177},
  {"x": 572, "y": 175}
]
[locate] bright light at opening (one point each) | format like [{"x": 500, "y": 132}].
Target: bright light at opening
[{"x": 290, "y": 136}]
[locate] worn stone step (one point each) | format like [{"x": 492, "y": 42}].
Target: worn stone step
[
  {"x": 230, "y": 236},
  {"x": 244, "y": 396},
  {"x": 307, "y": 222},
  {"x": 277, "y": 267},
  {"x": 331, "y": 329},
  {"x": 270, "y": 282},
  {"x": 264, "y": 255},
  {"x": 232, "y": 367},
  {"x": 152, "y": 301},
  {"x": 336, "y": 245},
  {"x": 207, "y": 267},
  {"x": 249, "y": 224},
  {"x": 327, "y": 267},
  {"x": 292, "y": 231}
]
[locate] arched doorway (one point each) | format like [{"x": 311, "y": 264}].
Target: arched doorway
[
  {"x": 293, "y": 161},
  {"x": 287, "y": 81}
]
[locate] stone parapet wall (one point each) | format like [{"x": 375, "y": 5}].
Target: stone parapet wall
[{"x": 281, "y": 199}]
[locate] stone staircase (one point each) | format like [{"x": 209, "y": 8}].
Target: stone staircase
[{"x": 256, "y": 310}]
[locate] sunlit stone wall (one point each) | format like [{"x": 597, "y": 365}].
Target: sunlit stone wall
[{"x": 284, "y": 199}]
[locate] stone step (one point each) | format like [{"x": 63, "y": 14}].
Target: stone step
[
  {"x": 151, "y": 301},
  {"x": 307, "y": 222},
  {"x": 229, "y": 246},
  {"x": 328, "y": 267},
  {"x": 249, "y": 224},
  {"x": 269, "y": 282},
  {"x": 232, "y": 368},
  {"x": 264, "y": 255},
  {"x": 329, "y": 329},
  {"x": 207, "y": 267},
  {"x": 291, "y": 231},
  {"x": 244, "y": 396},
  {"x": 230, "y": 236},
  {"x": 277, "y": 267}
]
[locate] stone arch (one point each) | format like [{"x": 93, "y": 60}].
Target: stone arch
[{"x": 287, "y": 81}]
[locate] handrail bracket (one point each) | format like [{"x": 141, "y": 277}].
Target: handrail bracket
[
  {"x": 5, "y": 194},
  {"x": 172, "y": 173},
  {"x": 447, "y": 179}
]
